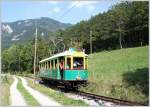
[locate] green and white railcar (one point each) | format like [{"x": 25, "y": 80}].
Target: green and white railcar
[{"x": 71, "y": 66}]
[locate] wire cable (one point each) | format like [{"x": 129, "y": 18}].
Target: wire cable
[{"x": 65, "y": 13}]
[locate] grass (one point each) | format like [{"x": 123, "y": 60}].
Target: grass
[
  {"x": 120, "y": 74},
  {"x": 5, "y": 83},
  {"x": 25, "y": 74},
  {"x": 56, "y": 95},
  {"x": 30, "y": 100}
]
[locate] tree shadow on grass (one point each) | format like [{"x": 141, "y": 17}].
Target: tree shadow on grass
[{"x": 138, "y": 78}]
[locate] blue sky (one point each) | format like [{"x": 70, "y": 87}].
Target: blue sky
[{"x": 64, "y": 11}]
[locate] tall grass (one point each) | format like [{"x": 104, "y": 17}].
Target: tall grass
[{"x": 5, "y": 83}]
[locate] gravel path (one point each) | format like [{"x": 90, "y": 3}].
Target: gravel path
[
  {"x": 91, "y": 102},
  {"x": 42, "y": 99},
  {"x": 15, "y": 97},
  {"x": 77, "y": 97}
]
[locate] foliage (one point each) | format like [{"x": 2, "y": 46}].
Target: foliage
[
  {"x": 20, "y": 57},
  {"x": 123, "y": 25}
]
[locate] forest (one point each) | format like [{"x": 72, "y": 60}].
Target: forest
[{"x": 124, "y": 25}]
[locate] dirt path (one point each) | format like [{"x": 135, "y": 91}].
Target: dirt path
[
  {"x": 42, "y": 99},
  {"x": 15, "y": 97}
]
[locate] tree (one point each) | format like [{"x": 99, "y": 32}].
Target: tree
[{"x": 120, "y": 18}]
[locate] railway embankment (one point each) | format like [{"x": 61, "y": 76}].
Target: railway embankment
[{"x": 121, "y": 74}]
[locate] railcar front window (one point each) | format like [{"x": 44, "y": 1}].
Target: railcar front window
[{"x": 78, "y": 63}]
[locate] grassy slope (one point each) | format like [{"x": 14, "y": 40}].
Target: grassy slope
[
  {"x": 121, "y": 74},
  {"x": 58, "y": 96},
  {"x": 5, "y": 83}
]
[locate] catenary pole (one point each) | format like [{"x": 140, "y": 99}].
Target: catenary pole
[
  {"x": 35, "y": 54},
  {"x": 91, "y": 42}
]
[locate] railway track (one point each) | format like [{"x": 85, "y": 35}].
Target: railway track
[
  {"x": 95, "y": 97},
  {"x": 107, "y": 99}
]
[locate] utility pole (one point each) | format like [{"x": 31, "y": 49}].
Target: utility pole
[
  {"x": 19, "y": 63},
  {"x": 91, "y": 42},
  {"x": 35, "y": 54},
  {"x": 71, "y": 42}
]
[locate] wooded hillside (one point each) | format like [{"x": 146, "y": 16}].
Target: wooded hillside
[{"x": 123, "y": 25}]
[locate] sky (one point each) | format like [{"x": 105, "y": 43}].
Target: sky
[{"x": 63, "y": 11}]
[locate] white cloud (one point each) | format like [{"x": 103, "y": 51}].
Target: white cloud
[
  {"x": 53, "y": 2},
  {"x": 56, "y": 9},
  {"x": 82, "y": 3},
  {"x": 91, "y": 8}
]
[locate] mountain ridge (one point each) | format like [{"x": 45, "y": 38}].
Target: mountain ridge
[{"x": 23, "y": 30}]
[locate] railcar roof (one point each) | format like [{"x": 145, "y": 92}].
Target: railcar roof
[{"x": 65, "y": 53}]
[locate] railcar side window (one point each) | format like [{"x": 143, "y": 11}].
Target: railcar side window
[
  {"x": 56, "y": 63},
  {"x": 78, "y": 63},
  {"x": 51, "y": 64},
  {"x": 68, "y": 66},
  {"x": 45, "y": 65}
]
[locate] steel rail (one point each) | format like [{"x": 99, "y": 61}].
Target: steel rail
[{"x": 108, "y": 99}]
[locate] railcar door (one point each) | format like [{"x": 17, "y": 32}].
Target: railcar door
[{"x": 61, "y": 66}]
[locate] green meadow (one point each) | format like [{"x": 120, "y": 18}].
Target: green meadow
[{"x": 122, "y": 74}]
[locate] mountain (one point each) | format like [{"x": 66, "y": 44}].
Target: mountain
[{"x": 23, "y": 30}]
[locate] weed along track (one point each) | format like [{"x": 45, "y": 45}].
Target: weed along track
[{"x": 102, "y": 100}]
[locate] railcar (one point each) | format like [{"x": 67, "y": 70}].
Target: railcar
[{"x": 69, "y": 67}]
